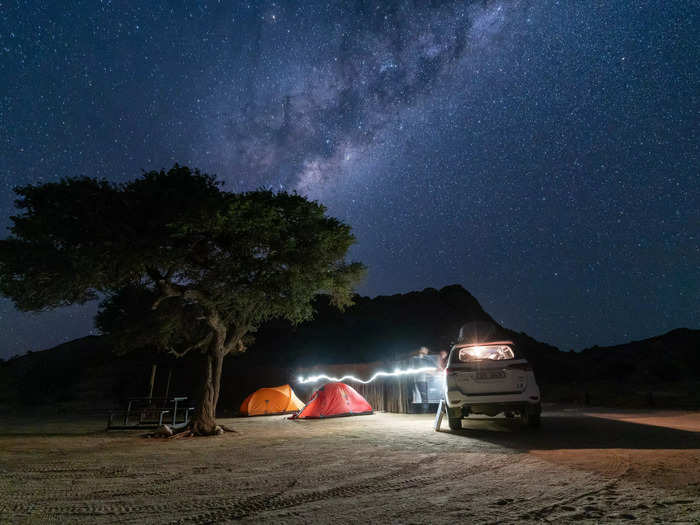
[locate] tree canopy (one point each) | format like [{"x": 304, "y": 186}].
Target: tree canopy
[{"x": 183, "y": 264}]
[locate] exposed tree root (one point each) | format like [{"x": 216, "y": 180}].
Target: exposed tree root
[
  {"x": 183, "y": 434},
  {"x": 168, "y": 433}
]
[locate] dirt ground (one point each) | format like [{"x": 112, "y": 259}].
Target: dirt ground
[{"x": 580, "y": 466}]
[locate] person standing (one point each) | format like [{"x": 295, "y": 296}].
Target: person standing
[{"x": 420, "y": 381}]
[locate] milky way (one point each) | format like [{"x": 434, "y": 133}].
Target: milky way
[
  {"x": 380, "y": 60},
  {"x": 543, "y": 154}
]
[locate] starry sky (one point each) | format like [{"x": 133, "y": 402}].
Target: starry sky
[{"x": 543, "y": 154}]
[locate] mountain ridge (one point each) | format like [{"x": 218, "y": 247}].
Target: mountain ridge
[{"x": 383, "y": 328}]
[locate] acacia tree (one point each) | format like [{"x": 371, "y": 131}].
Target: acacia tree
[{"x": 212, "y": 265}]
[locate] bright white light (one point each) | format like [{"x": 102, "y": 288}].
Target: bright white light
[
  {"x": 409, "y": 371},
  {"x": 493, "y": 352}
]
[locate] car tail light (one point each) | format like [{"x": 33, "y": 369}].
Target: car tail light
[{"x": 521, "y": 366}]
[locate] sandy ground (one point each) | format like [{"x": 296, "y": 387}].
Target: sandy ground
[{"x": 586, "y": 467}]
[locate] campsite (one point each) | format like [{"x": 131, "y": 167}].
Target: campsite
[
  {"x": 603, "y": 452},
  {"x": 320, "y": 452},
  {"x": 349, "y": 261}
]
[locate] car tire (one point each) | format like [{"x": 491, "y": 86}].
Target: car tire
[
  {"x": 455, "y": 423},
  {"x": 530, "y": 417}
]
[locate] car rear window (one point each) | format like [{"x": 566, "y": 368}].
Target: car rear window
[{"x": 481, "y": 353}]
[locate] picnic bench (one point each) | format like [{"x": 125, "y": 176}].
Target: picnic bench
[{"x": 151, "y": 412}]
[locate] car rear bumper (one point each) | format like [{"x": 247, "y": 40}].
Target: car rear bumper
[
  {"x": 460, "y": 404},
  {"x": 493, "y": 408}
]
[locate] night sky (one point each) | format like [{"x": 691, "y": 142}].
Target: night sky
[{"x": 543, "y": 154}]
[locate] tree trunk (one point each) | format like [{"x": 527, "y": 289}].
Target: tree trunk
[{"x": 204, "y": 422}]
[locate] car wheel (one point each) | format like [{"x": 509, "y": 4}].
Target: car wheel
[
  {"x": 509, "y": 415},
  {"x": 455, "y": 423},
  {"x": 530, "y": 417}
]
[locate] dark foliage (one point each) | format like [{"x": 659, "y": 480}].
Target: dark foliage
[{"x": 184, "y": 265}]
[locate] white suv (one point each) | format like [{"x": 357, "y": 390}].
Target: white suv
[{"x": 490, "y": 378}]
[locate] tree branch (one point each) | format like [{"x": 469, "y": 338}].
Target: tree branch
[
  {"x": 234, "y": 338},
  {"x": 160, "y": 299},
  {"x": 244, "y": 325},
  {"x": 167, "y": 290},
  {"x": 205, "y": 341},
  {"x": 197, "y": 296}
]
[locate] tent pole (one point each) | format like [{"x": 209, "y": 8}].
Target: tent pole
[
  {"x": 167, "y": 385},
  {"x": 152, "y": 382}
]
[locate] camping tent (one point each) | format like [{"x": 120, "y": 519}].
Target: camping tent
[
  {"x": 333, "y": 400},
  {"x": 266, "y": 401}
]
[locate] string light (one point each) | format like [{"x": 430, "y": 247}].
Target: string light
[{"x": 397, "y": 372}]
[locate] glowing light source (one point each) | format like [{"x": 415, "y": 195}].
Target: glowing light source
[
  {"x": 397, "y": 372},
  {"x": 493, "y": 352}
]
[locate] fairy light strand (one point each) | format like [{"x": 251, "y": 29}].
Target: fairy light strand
[{"x": 409, "y": 371}]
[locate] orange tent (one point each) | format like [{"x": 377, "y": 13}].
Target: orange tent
[{"x": 266, "y": 401}]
